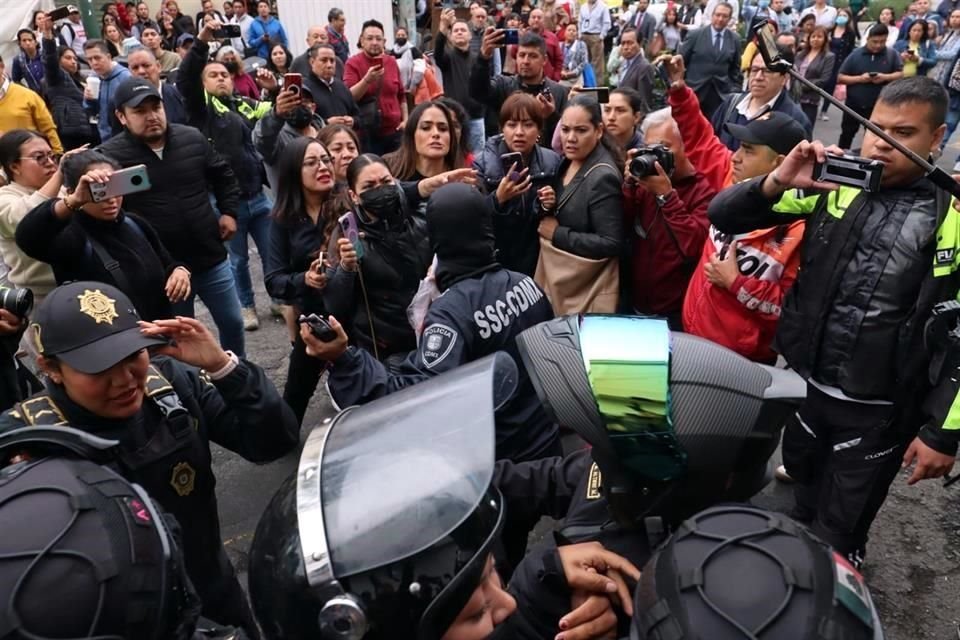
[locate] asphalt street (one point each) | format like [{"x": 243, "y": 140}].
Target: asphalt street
[{"x": 913, "y": 561}]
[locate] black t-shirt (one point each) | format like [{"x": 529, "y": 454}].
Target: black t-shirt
[{"x": 861, "y": 61}]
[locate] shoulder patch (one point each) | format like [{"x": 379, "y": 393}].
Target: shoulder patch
[
  {"x": 594, "y": 483},
  {"x": 437, "y": 341}
]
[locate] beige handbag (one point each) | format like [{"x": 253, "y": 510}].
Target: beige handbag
[{"x": 575, "y": 284}]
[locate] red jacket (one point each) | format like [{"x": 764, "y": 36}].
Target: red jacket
[
  {"x": 704, "y": 150},
  {"x": 666, "y": 241},
  {"x": 553, "y": 65},
  {"x": 744, "y": 318},
  {"x": 389, "y": 88}
]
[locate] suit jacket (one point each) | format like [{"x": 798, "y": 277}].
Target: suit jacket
[
  {"x": 705, "y": 68},
  {"x": 590, "y": 208},
  {"x": 639, "y": 77}
]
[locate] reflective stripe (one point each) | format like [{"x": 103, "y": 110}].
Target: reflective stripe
[
  {"x": 840, "y": 446},
  {"x": 946, "y": 258},
  {"x": 805, "y": 427},
  {"x": 792, "y": 202},
  {"x": 952, "y": 421}
]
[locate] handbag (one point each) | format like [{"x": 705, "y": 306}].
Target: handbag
[
  {"x": 370, "y": 112},
  {"x": 575, "y": 284}
]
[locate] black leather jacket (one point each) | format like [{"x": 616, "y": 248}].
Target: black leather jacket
[{"x": 515, "y": 222}]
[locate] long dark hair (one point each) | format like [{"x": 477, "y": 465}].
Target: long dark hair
[
  {"x": 272, "y": 67},
  {"x": 360, "y": 163},
  {"x": 290, "y": 207},
  {"x": 925, "y": 35},
  {"x": 74, "y": 166},
  {"x": 403, "y": 162},
  {"x": 10, "y": 144},
  {"x": 325, "y": 135},
  {"x": 592, "y": 107}
]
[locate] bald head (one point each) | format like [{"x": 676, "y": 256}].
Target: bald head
[
  {"x": 317, "y": 35},
  {"x": 535, "y": 21}
]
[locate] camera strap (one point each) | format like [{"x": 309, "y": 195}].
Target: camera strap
[{"x": 109, "y": 262}]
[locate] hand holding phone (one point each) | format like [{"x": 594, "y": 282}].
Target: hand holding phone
[
  {"x": 227, "y": 31},
  {"x": 293, "y": 82},
  {"x": 126, "y": 181},
  {"x": 351, "y": 231},
  {"x": 318, "y": 327}
]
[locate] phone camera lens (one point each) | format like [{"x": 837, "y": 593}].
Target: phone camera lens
[{"x": 136, "y": 180}]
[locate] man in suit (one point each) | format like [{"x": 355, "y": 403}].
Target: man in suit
[
  {"x": 642, "y": 22},
  {"x": 712, "y": 58},
  {"x": 635, "y": 72}
]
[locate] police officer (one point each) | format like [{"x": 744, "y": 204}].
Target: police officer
[
  {"x": 483, "y": 307},
  {"x": 382, "y": 535},
  {"x": 736, "y": 571},
  {"x": 79, "y": 535},
  {"x": 164, "y": 406}
]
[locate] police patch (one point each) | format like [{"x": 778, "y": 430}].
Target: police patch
[{"x": 438, "y": 341}]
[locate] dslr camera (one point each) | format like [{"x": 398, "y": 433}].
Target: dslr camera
[
  {"x": 17, "y": 301},
  {"x": 643, "y": 164}
]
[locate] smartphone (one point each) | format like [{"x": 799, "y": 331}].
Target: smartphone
[
  {"x": 61, "y": 13},
  {"x": 126, "y": 181},
  {"x": 603, "y": 93},
  {"x": 348, "y": 224},
  {"x": 511, "y": 36},
  {"x": 663, "y": 74},
  {"x": 873, "y": 74},
  {"x": 227, "y": 31},
  {"x": 319, "y": 327},
  {"x": 293, "y": 81},
  {"x": 507, "y": 160}
]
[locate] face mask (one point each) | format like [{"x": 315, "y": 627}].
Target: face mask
[
  {"x": 841, "y": 20},
  {"x": 400, "y": 41},
  {"x": 232, "y": 67},
  {"x": 382, "y": 202},
  {"x": 300, "y": 118}
]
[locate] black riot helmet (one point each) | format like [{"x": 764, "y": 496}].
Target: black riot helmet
[
  {"x": 737, "y": 572},
  {"x": 84, "y": 553},
  {"x": 676, "y": 423},
  {"x": 385, "y": 530}
]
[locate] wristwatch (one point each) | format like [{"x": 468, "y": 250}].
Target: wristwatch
[{"x": 662, "y": 200}]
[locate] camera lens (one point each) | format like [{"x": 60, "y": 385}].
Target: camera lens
[
  {"x": 643, "y": 165},
  {"x": 19, "y": 302},
  {"x": 136, "y": 180}
]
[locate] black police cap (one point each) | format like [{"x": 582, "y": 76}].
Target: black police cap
[{"x": 772, "y": 129}]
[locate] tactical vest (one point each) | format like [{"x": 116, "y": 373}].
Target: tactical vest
[{"x": 174, "y": 466}]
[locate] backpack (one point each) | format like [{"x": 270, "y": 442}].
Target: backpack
[{"x": 73, "y": 34}]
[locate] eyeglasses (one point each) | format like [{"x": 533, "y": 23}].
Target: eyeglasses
[
  {"x": 313, "y": 163},
  {"x": 761, "y": 70},
  {"x": 42, "y": 158}
]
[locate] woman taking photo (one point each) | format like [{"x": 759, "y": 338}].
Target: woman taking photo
[
  {"x": 342, "y": 143},
  {"x": 370, "y": 296},
  {"x": 304, "y": 216},
  {"x": 65, "y": 91},
  {"x": 816, "y": 63},
  {"x": 278, "y": 65},
  {"x": 429, "y": 145},
  {"x": 575, "y": 57},
  {"x": 918, "y": 51},
  {"x": 35, "y": 177},
  {"x": 513, "y": 185},
  {"x": 843, "y": 40},
  {"x": 80, "y": 239},
  {"x": 581, "y": 233}
]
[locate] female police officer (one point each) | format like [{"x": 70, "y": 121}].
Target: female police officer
[{"x": 101, "y": 378}]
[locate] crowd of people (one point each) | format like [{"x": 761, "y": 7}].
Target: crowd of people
[{"x": 415, "y": 209}]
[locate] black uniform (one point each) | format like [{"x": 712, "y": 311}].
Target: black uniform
[
  {"x": 166, "y": 449},
  {"x": 472, "y": 319}
]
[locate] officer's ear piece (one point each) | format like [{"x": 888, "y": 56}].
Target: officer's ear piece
[{"x": 343, "y": 617}]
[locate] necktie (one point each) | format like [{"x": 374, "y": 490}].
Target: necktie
[{"x": 718, "y": 42}]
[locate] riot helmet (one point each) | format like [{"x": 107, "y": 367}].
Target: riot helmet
[
  {"x": 673, "y": 420},
  {"x": 737, "y": 572},
  {"x": 84, "y": 552},
  {"x": 386, "y": 528}
]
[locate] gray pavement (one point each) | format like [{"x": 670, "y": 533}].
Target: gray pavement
[{"x": 913, "y": 562}]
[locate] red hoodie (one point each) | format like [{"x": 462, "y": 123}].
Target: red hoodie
[
  {"x": 744, "y": 318},
  {"x": 666, "y": 241},
  {"x": 704, "y": 150}
]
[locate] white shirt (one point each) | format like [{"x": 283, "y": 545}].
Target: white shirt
[
  {"x": 79, "y": 35},
  {"x": 595, "y": 19},
  {"x": 743, "y": 107},
  {"x": 825, "y": 18},
  {"x": 244, "y": 23}
]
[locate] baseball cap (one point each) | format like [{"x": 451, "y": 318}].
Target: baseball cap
[
  {"x": 772, "y": 129},
  {"x": 183, "y": 38},
  {"x": 133, "y": 91},
  {"x": 73, "y": 9},
  {"x": 89, "y": 325}
]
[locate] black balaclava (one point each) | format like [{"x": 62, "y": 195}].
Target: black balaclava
[{"x": 460, "y": 226}]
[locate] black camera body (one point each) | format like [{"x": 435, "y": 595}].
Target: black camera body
[
  {"x": 17, "y": 301},
  {"x": 643, "y": 164}
]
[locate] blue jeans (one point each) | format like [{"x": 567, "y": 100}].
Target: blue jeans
[
  {"x": 477, "y": 135},
  {"x": 953, "y": 118},
  {"x": 253, "y": 217},
  {"x": 216, "y": 288}
]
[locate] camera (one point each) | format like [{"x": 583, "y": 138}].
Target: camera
[
  {"x": 19, "y": 302},
  {"x": 643, "y": 163},
  {"x": 852, "y": 171}
]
